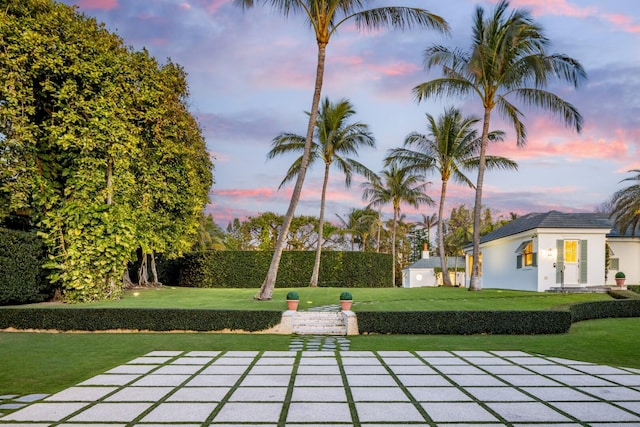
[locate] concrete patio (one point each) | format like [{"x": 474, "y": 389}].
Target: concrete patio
[{"x": 343, "y": 388}]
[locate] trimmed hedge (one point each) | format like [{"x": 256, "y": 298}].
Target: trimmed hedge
[
  {"x": 22, "y": 279},
  {"x": 100, "y": 319},
  {"x": 464, "y": 322},
  {"x": 247, "y": 269},
  {"x": 605, "y": 309}
]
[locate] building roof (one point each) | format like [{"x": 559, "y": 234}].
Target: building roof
[
  {"x": 434, "y": 262},
  {"x": 551, "y": 219}
]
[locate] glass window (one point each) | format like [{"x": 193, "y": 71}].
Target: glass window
[
  {"x": 570, "y": 251},
  {"x": 527, "y": 255}
]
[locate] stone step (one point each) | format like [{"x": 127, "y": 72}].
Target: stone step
[{"x": 319, "y": 323}]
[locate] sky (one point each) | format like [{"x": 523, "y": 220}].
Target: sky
[{"x": 251, "y": 76}]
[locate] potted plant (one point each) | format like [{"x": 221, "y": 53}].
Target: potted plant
[
  {"x": 292, "y": 300},
  {"x": 346, "y": 299},
  {"x": 620, "y": 278}
]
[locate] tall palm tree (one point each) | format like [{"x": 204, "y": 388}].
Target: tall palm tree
[
  {"x": 626, "y": 206},
  {"x": 335, "y": 139},
  {"x": 395, "y": 186},
  {"x": 507, "y": 58},
  {"x": 325, "y": 17},
  {"x": 427, "y": 223},
  {"x": 451, "y": 148}
]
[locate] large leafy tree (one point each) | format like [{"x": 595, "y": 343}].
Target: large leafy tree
[
  {"x": 335, "y": 139},
  {"x": 626, "y": 205},
  {"x": 325, "y": 17},
  {"x": 75, "y": 113},
  {"x": 451, "y": 148},
  {"x": 507, "y": 58},
  {"x": 395, "y": 186}
]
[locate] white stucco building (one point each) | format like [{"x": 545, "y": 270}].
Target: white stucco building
[
  {"x": 540, "y": 251},
  {"x": 427, "y": 271}
]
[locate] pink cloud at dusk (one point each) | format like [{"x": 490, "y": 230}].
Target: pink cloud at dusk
[{"x": 625, "y": 22}]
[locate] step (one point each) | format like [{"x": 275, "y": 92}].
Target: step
[{"x": 319, "y": 323}]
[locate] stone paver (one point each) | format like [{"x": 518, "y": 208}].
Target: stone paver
[{"x": 339, "y": 388}]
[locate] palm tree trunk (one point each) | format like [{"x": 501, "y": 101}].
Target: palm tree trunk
[
  {"x": 316, "y": 265},
  {"x": 446, "y": 280},
  {"x": 393, "y": 247},
  {"x": 266, "y": 290},
  {"x": 474, "y": 284}
]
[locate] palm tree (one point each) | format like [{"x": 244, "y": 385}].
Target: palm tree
[
  {"x": 427, "y": 223},
  {"x": 626, "y": 205},
  {"x": 395, "y": 186},
  {"x": 451, "y": 148},
  {"x": 334, "y": 139},
  {"x": 325, "y": 17},
  {"x": 507, "y": 58},
  {"x": 360, "y": 223}
]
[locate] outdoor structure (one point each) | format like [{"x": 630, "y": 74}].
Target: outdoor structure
[
  {"x": 544, "y": 251},
  {"x": 427, "y": 271}
]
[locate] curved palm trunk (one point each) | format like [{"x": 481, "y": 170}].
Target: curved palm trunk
[
  {"x": 266, "y": 290},
  {"x": 446, "y": 280},
  {"x": 316, "y": 265},
  {"x": 475, "y": 284}
]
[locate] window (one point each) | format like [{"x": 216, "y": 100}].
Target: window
[
  {"x": 526, "y": 257},
  {"x": 479, "y": 264},
  {"x": 570, "y": 251},
  {"x": 614, "y": 264}
]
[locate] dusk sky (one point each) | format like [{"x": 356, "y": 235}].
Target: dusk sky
[{"x": 251, "y": 77}]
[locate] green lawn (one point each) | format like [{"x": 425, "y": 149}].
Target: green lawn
[
  {"x": 365, "y": 299},
  {"x": 46, "y": 363},
  {"x": 49, "y": 362}
]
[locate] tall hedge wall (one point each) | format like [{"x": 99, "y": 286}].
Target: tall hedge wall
[
  {"x": 247, "y": 269},
  {"x": 22, "y": 279}
]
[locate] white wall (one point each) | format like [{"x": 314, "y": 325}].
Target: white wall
[
  {"x": 627, "y": 250},
  {"x": 419, "y": 277},
  {"x": 499, "y": 268}
]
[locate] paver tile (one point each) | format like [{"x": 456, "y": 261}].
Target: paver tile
[
  {"x": 498, "y": 394},
  {"x": 366, "y": 369},
  {"x": 557, "y": 394},
  {"x": 224, "y": 370},
  {"x": 266, "y": 380},
  {"x": 527, "y": 412},
  {"x": 554, "y": 370},
  {"x": 460, "y": 370},
  {"x": 476, "y": 380},
  {"x": 170, "y": 353},
  {"x": 403, "y": 361},
  {"x": 139, "y": 394},
  {"x": 192, "y": 361},
  {"x": 415, "y": 370},
  {"x": 149, "y": 360},
  {"x": 360, "y": 361},
  {"x": 110, "y": 379},
  {"x": 259, "y": 394},
  {"x": 276, "y": 361},
  {"x": 596, "y": 411},
  {"x": 177, "y": 369},
  {"x": 319, "y": 370},
  {"x": 438, "y": 361},
  {"x": 529, "y": 380},
  {"x": 628, "y": 380},
  {"x": 132, "y": 369},
  {"x": 481, "y": 361},
  {"x": 212, "y": 380},
  {"x": 202, "y": 353},
  {"x": 378, "y": 394},
  {"x": 438, "y": 394},
  {"x": 457, "y": 412},
  {"x": 387, "y": 412},
  {"x": 249, "y": 412},
  {"x": 106, "y": 412},
  {"x": 81, "y": 394},
  {"x": 319, "y": 394},
  {"x": 371, "y": 380},
  {"x": 612, "y": 393},
  {"x": 44, "y": 412},
  {"x": 161, "y": 380},
  {"x": 271, "y": 370},
  {"x": 199, "y": 394},
  {"x": 318, "y": 380},
  {"x": 530, "y": 360},
  {"x": 318, "y": 412},
  {"x": 180, "y": 412},
  {"x": 424, "y": 380},
  {"x": 580, "y": 380},
  {"x": 225, "y": 360}
]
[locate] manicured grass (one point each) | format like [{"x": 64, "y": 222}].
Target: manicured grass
[
  {"x": 365, "y": 299},
  {"x": 47, "y": 363}
]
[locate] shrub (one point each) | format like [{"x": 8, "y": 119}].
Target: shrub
[
  {"x": 346, "y": 296},
  {"x": 22, "y": 279},
  {"x": 293, "y": 296},
  {"x": 100, "y": 319},
  {"x": 464, "y": 322},
  {"x": 605, "y": 309},
  {"x": 620, "y": 275},
  {"x": 247, "y": 269}
]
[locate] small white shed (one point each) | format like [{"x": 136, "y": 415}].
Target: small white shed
[{"x": 427, "y": 271}]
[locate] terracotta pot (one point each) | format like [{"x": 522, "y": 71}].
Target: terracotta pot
[
  {"x": 620, "y": 282},
  {"x": 292, "y": 304},
  {"x": 346, "y": 304}
]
